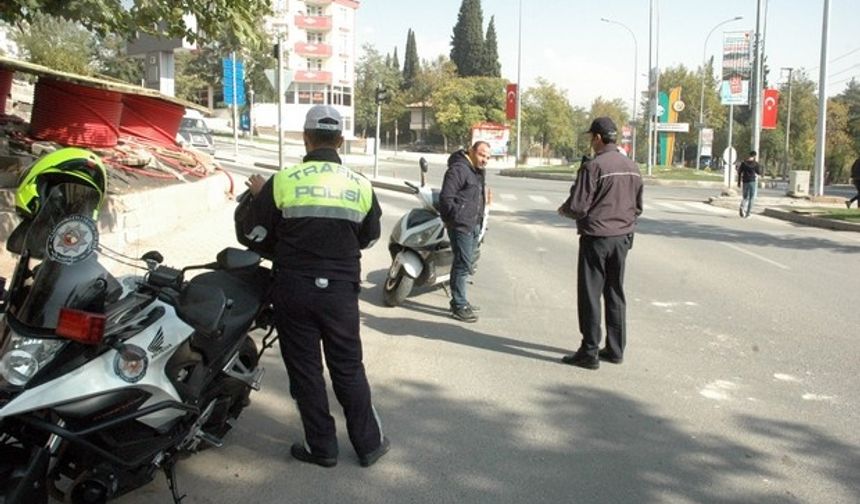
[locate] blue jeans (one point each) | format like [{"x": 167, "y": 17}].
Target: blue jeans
[
  {"x": 749, "y": 196},
  {"x": 463, "y": 246}
]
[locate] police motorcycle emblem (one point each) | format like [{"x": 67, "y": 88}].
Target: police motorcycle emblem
[{"x": 73, "y": 239}]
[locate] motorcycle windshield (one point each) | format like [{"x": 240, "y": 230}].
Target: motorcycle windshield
[
  {"x": 85, "y": 285},
  {"x": 65, "y": 237}
]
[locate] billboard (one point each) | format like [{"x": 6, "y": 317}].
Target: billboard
[
  {"x": 737, "y": 68},
  {"x": 497, "y": 135}
]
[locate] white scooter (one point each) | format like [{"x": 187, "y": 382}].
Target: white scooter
[{"x": 419, "y": 246}]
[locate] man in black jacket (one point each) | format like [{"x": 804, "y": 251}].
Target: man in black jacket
[
  {"x": 323, "y": 214},
  {"x": 461, "y": 202},
  {"x": 748, "y": 171},
  {"x": 605, "y": 201}
]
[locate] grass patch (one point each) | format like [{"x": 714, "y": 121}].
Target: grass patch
[
  {"x": 658, "y": 172},
  {"x": 840, "y": 214}
]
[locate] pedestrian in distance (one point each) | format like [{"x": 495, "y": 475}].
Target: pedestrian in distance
[
  {"x": 855, "y": 178},
  {"x": 461, "y": 201},
  {"x": 605, "y": 201},
  {"x": 323, "y": 214},
  {"x": 748, "y": 172}
]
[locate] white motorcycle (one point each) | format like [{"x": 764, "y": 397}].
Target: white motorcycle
[
  {"x": 419, "y": 246},
  {"x": 103, "y": 380}
]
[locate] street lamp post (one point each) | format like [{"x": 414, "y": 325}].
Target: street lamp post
[
  {"x": 702, "y": 91},
  {"x": 635, "y": 76}
]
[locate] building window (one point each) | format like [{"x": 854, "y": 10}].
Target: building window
[
  {"x": 290, "y": 95},
  {"x": 347, "y": 96},
  {"x": 315, "y": 10},
  {"x": 315, "y": 38},
  {"x": 337, "y": 95},
  {"x": 315, "y": 64},
  {"x": 347, "y": 123}
]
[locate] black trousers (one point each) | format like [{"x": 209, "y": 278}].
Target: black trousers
[
  {"x": 600, "y": 272},
  {"x": 309, "y": 312}
]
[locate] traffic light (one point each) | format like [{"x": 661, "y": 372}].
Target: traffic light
[
  {"x": 381, "y": 95},
  {"x": 276, "y": 50}
]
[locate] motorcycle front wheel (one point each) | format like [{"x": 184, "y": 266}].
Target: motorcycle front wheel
[{"x": 396, "y": 289}]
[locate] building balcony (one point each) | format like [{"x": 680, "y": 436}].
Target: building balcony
[
  {"x": 314, "y": 23},
  {"x": 313, "y": 50},
  {"x": 320, "y": 3},
  {"x": 312, "y": 76}
]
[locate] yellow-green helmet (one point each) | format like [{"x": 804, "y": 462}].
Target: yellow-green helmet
[{"x": 66, "y": 165}]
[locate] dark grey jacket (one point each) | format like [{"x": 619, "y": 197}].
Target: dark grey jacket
[
  {"x": 461, "y": 201},
  {"x": 607, "y": 195}
]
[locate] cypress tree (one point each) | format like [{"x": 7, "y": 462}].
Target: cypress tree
[
  {"x": 410, "y": 61},
  {"x": 490, "y": 65},
  {"x": 467, "y": 43},
  {"x": 395, "y": 62}
]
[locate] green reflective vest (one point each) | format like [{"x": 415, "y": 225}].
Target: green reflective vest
[{"x": 322, "y": 189}]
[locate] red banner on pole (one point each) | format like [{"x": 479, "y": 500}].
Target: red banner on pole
[
  {"x": 770, "y": 108},
  {"x": 511, "y": 101}
]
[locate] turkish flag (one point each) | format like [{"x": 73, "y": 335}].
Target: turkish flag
[
  {"x": 511, "y": 101},
  {"x": 770, "y": 108}
]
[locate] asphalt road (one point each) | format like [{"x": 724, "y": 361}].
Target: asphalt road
[{"x": 739, "y": 383}]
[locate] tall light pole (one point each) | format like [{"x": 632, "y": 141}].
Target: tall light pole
[
  {"x": 519, "y": 83},
  {"x": 787, "y": 125},
  {"x": 635, "y": 77},
  {"x": 820, "y": 146},
  {"x": 652, "y": 105},
  {"x": 702, "y": 91}
]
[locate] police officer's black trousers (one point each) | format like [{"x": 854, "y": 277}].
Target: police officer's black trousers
[
  {"x": 600, "y": 272},
  {"x": 306, "y": 314}
]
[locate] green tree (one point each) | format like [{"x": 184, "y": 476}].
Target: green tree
[
  {"x": 839, "y": 145},
  {"x": 614, "y": 109},
  {"x": 430, "y": 77},
  {"x": 550, "y": 121},
  {"x": 490, "y": 65},
  {"x": 395, "y": 61},
  {"x": 461, "y": 103},
  {"x": 55, "y": 43},
  {"x": 467, "y": 43},
  {"x": 411, "y": 65},
  {"x": 851, "y": 98},
  {"x": 215, "y": 18},
  {"x": 371, "y": 72},
  {"x": 111, "y": 59}
]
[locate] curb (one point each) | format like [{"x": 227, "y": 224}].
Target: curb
[
  {"x": 516, "y": 172},
  {"x": 808, "y": 220}
]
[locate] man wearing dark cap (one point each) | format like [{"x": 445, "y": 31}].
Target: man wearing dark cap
[
  {"x": 748, "y": 171},
  {"x": 605, "y": 200},
  {"x": 322, "y": 214}
]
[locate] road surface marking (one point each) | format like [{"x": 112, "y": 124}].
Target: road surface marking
[
  {"x": 508, "y": 197},
  {"x": 539, "y": 199},
  {"x": 709, "y": 208},
  {"x": 753, "y": 254},
  {"x": 669, "y": 206}
]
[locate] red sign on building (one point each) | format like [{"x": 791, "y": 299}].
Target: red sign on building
[
  {"x": 770, "y": 108},
  {"x": 511, "y": 101}
]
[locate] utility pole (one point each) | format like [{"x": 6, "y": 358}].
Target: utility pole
[
  {"x": 786, "y": 155},
  {"x": 519, "y": 83},
  {"x": 758, "y": 77},
  {"x": 280, "y": 79},
  {"x": 652, "y": 100},
  {"x": 381, "y": 96},
  {"x": 820, "y": 146}
]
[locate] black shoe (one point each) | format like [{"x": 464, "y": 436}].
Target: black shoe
[
  {"x": 371, "y": 458},
  {"x": 741, "y": 212},
  {"x": 299, "y": 452},
  {"x": 606, "y": 355},
  {"x": 582, "y": 360},
  {"x": 464, "y": 313},
  {"x": 475, "y": 308}
]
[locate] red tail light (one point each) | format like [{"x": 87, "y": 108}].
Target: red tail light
[{"x": 83, "y": 327}]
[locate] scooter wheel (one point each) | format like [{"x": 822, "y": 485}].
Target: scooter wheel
[{"x": 397, "y": 289}]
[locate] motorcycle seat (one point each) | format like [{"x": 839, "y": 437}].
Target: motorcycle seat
[{"x": 246, "y": 289}]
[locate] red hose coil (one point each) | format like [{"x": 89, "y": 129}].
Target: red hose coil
[
  {"x": 151, "y": 119},
  {"x": 71, "y": 114}
]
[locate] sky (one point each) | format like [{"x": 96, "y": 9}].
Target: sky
[{"x": 565, "y": 42}]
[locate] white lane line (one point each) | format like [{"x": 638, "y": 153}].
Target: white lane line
[
  {"x": 668, "y": 206},
  {"x": 500, "y": 207},
  {"x": 708, "y": 208},
  {"x": 539, "y": 199},
  {"x": 759, "y": 257},
  {"x": 508, "y": 197}
]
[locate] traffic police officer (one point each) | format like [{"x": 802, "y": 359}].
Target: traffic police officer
[
  {"x": 322, "y": 214},
  {"x": 606, "y": 201}
]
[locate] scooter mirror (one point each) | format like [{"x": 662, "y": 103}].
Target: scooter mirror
[
  {"x": 153, "y": 256},
  {"x": 423, "y": 163}
]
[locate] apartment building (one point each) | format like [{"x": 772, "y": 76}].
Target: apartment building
[{"x": 319, "y": 50}]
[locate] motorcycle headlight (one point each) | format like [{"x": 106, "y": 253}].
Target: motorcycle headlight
[{"x": 23, "y": 357}]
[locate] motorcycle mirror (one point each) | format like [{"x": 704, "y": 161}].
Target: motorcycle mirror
[
  {"x": 233, "y": 258},
  {"x": 153, "y": 256},
  {"x": 423, "y": 164}
]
